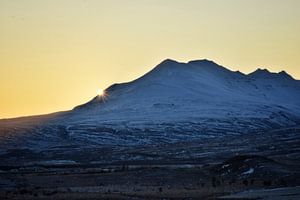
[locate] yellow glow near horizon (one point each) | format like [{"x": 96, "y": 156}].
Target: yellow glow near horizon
[{"x": 55, "y": 53}]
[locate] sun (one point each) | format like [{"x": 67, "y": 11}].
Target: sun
[{"x": 100, "y": 92}]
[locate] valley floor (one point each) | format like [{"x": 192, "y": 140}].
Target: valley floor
[
  {"x": 141, "y": 182},
  {"x": 252, "y": 166}
]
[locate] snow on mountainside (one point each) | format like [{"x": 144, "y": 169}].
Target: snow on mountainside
[
  {"x": 198, "y": 89},
  {"x": 173, "y": 102}
]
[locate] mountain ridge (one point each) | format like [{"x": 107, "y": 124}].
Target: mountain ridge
[
  {"x": 259, "y": 73},
  {"x": 168, "y": 69},
  {"x": 174, "y": 102}
]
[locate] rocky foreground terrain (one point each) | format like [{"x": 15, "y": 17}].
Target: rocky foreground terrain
[{"x": 205, "y": 169}]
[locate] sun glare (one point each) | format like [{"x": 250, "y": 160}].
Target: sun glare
[{"x": 100, "y": 92}]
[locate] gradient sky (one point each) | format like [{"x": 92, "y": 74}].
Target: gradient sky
[{"x": 56, "y": 54}]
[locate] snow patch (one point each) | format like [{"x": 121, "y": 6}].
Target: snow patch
[{"x": 250, "y": 171}]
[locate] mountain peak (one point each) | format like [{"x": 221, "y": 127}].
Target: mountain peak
[
  {"x": 261, "y": 71},
  {"x": 285, "y": 75},
  {"x": 170, "y": 67},
  {"x": 168, "y": 61},
  {"x": 171, "y": 78},
  {"x": 209, "y": 65},
  {"x": 264, "y": 73},
  {"x": 202, "y": 62}
]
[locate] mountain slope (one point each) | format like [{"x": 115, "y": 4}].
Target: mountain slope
[
  {"x": 174, "y": 102},
  {"x": 199, "y": 88}
]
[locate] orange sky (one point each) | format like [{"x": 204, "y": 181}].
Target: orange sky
[{"x": 56, "y": 54}]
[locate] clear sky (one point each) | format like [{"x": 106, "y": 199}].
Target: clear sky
[{"x": 56, "y": 54}]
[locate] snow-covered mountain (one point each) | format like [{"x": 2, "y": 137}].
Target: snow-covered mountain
[
  {"x": 173, "y": 102},
  {"x": 197, "y": 89}
]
